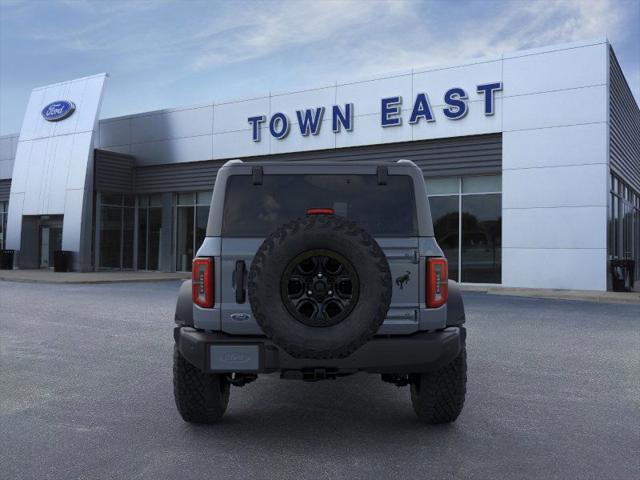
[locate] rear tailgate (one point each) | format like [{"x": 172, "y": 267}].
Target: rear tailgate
[
  {"x": 236, "y": 315},
  {"x": 401, "y": 254},
  {"x": 385, "y": 206}
]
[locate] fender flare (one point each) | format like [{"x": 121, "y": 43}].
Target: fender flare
[
  {"x": 184, "y": 306},
  {"x": 455, "y": 306}
]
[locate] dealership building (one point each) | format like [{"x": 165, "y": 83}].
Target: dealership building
[{"x": 532, "y": 164}]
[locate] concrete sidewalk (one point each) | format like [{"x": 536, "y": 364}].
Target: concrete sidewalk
[
  {"x": 49, "y": 276},
  {"x": 583, "y": 295}
]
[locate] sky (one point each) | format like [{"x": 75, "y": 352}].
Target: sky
[{"x": 165, "y": 53}]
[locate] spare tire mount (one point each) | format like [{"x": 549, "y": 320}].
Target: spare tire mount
[{"x": 320, "y": 286}]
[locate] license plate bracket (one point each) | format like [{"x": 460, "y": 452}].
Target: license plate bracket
[{"x": 234, "y": 358}]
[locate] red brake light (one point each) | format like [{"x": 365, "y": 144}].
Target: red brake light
[
  {"x": 202, "y": 283},
  {"x": 320, "y": 211},
  {"x": 437, "y": 282}
]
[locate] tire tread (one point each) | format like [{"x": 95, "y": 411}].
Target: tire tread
[
  {"x": 200, "y": 397},
  {"x": 438, "y": 397}
]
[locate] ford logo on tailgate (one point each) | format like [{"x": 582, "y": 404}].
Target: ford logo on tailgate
[{"x": 56, "y": 111}]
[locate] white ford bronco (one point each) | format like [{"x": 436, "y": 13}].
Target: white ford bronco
[{"x": 314, "y": 272}]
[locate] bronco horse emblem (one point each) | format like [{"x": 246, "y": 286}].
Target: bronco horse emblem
[{"x": 403, "y": 279}]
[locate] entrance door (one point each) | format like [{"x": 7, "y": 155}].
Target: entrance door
[
  {"x": 50, "y": 241},
  {"x": 45, "y": 258}
]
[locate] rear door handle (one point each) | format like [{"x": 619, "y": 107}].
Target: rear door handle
[{"x": 238, "y": 281}]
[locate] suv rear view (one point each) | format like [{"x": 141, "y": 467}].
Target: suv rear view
[{"x": 317, "y": 272}]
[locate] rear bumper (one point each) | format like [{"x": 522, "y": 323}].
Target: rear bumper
[{"x": 401, "y": 354}]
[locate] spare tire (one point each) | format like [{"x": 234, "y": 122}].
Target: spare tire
[{"x": 320, "y": 287}]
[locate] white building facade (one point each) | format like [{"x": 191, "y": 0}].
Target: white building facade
[{"x": 532, "y": 162}]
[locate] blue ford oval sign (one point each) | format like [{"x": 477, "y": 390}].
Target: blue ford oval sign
[{"x": 56, "y": 111}]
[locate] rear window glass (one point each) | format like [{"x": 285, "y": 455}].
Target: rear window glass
[{"x": 257, "y": 210}]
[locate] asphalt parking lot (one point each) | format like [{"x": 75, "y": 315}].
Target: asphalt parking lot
[{"x": 85, "y": 380}]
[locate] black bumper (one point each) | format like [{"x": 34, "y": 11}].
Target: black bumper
[{"x": 420, "y": 352}]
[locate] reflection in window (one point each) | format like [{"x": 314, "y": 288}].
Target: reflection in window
[
  {"x": 481, "y": 238},
  {"x": 445, "y": 216}
]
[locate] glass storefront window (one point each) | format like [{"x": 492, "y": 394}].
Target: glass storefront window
[
  {"x": 204, "y": 198},
  {"x": 185, "y": 238},
  {"x": 481, "y": 248},
  {"x": 442, "y": 186},
  {"x": 155, "y": 200},
  {"x": 484, "y": 184},
  {"x": 116, "y": 231},
  {"x": 446, "y": 226},
  {"x": 467, "y": 221},
  {"x": 128, "y": 226},
  {"x": 149, "y": 231},
  {"x": 202, "y": 216},
  {"x": 143, "y": 234},
  {"x": 110, "y": 236},
  {"x": 111, "y": 199},
  {"x": 624, "y": 223},
  {"x": 3, "y": 223},
  {"x": 192, "y": 213},
  {"x": 186, "y": 199},
  {"x": 154, "y": 236}
]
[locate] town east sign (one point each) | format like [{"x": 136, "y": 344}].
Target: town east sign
[{"x": 309, "y": 120}]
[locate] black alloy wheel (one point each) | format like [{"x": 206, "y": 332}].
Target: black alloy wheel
[{"x": 320, "y": 288}]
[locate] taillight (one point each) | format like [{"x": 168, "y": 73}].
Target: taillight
[
  {"x": 202, "y": 282},
  {"x": 437, "y": 282},
  {"x": 321, "y": 211}
]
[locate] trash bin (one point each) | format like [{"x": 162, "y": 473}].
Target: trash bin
[
  {"x": 62, "y": 261},
  {"x": 622, "y": 275},
  {"x": 6, "y": 259}
]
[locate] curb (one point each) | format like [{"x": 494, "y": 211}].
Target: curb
[
  {"x": 90, "y": 282},
  {"x": 577, "y": 295}
]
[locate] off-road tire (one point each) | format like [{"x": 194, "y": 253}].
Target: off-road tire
[
  {"x": 328, "y": 232},
  {"x": 438, "y": 397},
  {"x": 200, "y": 397}
]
